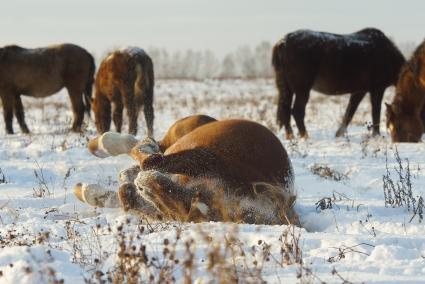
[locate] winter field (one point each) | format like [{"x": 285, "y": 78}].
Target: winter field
[{"x": 349, "y": 233}]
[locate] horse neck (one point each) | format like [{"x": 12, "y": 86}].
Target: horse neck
[{"x": 409, "y": 93}]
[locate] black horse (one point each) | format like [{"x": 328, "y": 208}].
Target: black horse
[{"x": 357, "y": 63}]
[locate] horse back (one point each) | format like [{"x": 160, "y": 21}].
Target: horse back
[
  {"x": 337, "y": 64},
  {"x": 123, "y": 71},
  {"x": 182, "y": 127},
  {"x": 43, "y": 71},
  {"x": 238, "y": 150}
]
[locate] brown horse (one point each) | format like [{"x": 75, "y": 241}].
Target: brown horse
[
  {"x": 125, "y": 79},
  {"x": 182, "y": 127},
  {"x": 357, "y": 63},
  {"x": 406, "y": 114},
  {"x": 43, "y": 72},
  {"x": 230, "y": 170}
]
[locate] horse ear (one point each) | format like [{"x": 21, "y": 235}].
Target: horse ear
[
  {"x": 416, "y": 68},
  {"x": 389, "y": 109}
]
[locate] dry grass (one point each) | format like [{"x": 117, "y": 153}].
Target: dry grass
[
  {"x": 324, "y": 171},
  {"x": 225, "y": 259},
  {"x": 398, "y": 191}
]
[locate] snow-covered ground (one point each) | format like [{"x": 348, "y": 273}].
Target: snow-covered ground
[{"x": 46, "y": 234}]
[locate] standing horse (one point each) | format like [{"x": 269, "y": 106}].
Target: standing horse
[
  {"x": 125, "y": 79},
  {"x": 42, "y": 72},
  {"x": 406, "y": 114},
  {"x": 357, "y": 63}
]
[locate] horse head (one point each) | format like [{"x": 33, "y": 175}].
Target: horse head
[{"x": 403, "y": 125}]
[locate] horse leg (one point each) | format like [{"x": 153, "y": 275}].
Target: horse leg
[
  {"x": 102, "y": 112},
  {"x": 149, "y": 117},
  {"x": 7, "y": 101},
  {"x": 20, "y": 115},
  {"x": 284, "y": 106},
  {"x": 167, "y": 196},
  {"x": 132, "y": 113},
  {"x": 376, "y": 100},
  {"x": 298, "y": 111},
  {"x": 195, "y": 162},
  {"x": 131, "y": 199},
  {"x": 117, "y": 114},
  {"x": 423, "y": 116},
  {"x": 354, "y": 102},
  {"x": 77, "y": 108}
]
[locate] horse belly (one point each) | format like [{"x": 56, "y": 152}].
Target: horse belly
[
  {"x": 43, "y": 87},
  {"x": 336, "y": 88},
  {"x": 342, "y": 81},
  {"x": 43, "y": 90}
]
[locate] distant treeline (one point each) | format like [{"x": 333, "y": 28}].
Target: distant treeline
[{"x": 244, "y": 62}]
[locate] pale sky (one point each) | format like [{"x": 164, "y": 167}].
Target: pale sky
[{"x": 219, "y": 25}]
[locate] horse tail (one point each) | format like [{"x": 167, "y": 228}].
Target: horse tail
[
  {"x": 144, "y": 83},
  {"x": 278, "y": 62},
  {"x": 277, "y": 55},
  {"x": 89, "y": 86},
  {"x": 143, "y": 89}
]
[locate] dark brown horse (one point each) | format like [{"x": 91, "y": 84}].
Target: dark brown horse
[
  {"x": 357, "y": 63},
  {"x": 43, "y": 72},
  {"x": 125, "y": 79},
  {"x": 406, "y": 114}
]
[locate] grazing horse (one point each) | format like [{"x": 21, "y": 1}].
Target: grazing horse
[
  {"x": 125, "y": 79},
  {"x": 406, "y": 114},
  {"x": 229, "y": 170},
  {"x": 42, "y": 72},
  {"x": 357, "y": 63}
]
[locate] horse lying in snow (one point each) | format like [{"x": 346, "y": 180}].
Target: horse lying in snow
[{"x": 203, "y": 170}]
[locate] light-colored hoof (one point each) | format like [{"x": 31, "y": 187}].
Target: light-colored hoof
[
  {"x": 97, "y": 196},
  {"x": 112, "y": 144}
]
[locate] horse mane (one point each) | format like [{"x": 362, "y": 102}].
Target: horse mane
[
  {"x": 412, "y": 64},
  {"x": 4, "y": 51},
  {"x": 371, "y": 31},
  {"x": 12, "y": 47}
]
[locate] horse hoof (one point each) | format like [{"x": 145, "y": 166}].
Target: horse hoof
[
  {"x": 289, "y": 136},
  {"x": 96, "y": 196},
  {"x": 76, "y": 130},
  {"x": 341, "y": 132},
  {"x": 304, "y": 135}
]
